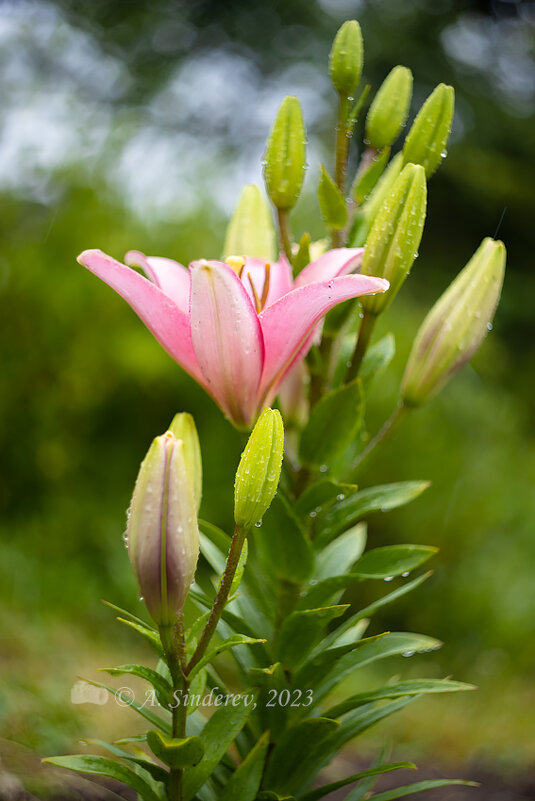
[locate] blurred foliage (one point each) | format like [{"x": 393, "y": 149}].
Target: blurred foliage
[{"x": 85, "y": 387}]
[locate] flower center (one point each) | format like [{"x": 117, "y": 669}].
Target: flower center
[{"x": 237, "y": 263}]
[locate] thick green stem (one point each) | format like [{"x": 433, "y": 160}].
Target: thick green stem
[
  {"x": 365, "y": 334},
  {"x": 221, "y": 598},
  {"x": 343, "y": 136},
  {"x": 174, "y": 649},
  {"x": 380, "y": 438},
  {"x": 284, "y": 233}
]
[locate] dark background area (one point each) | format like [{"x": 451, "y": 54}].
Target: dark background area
[{"x": 135, "y": 125}]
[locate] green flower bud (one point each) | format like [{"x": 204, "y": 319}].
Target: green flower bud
[
  {"x": 389, "y": 109},
  {"x": 393, "y": 241},
  {"x": 369, "y": 210},
  {"x": 163, "y": 538},
  {"x": 183, "y": 427},
  {"x": 427, "y": 139},
  {"x": 345, "y": 60},
  {"x": 285, "y": 156},
  {"x": 456, "y": 325},
  {"x": 259, "y": 470},
  {"x": 250, "y": 231}
]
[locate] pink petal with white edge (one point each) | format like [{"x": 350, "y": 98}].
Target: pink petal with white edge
[
  {"x": 332, "y": 264},
  {"x": 162, "y": 317},
  {"x": 287, "y": 324},
  {"x": 170, "y": 276},
  {"x": 227, "y": 338}
]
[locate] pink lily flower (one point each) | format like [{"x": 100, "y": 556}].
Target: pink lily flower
[{"x": 236, "y": 327}]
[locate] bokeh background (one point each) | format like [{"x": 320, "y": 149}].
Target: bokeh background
[{"x": 134, "y": 125}]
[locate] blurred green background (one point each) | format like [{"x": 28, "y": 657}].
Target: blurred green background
[{"x": 135, "y": 125}]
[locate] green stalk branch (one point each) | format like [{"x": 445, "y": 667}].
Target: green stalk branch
[
  {"x": 380, "y": 438},
  {"x": 221, "y": 598},
  {"x": 365, "y": 334},
  {"x": 284, "y": 233}
]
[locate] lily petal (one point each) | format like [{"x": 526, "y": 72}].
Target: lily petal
[
  {"x": 227, "y": 338},
  {"x": 160, "y": 314},
  {"x": 332, "y": 264},
  {"x": 288, "y": 323},
  {"x": 170, "y": 276}
]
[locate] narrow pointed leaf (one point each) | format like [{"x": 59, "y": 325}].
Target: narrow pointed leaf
[
  {"x": 332, "y": 202},
  {"x": 384, "y": 497},
  {"x": 418, "y": 787},
  {"x": 398, "y": 690},
  {"x": 230, "y": 642},
  {"x": 217, "y": 735},
  {"x": 320, "y": 494},
  {"x": 297, "y": 752},
  {"x": 102, "y": 766},
  {"x": 155, "y": 720},
  {"x": 326, "y": 789},
  {"x": 392, "y": 560},
  {"x": 301, "y": 630},
  {"x": 244, "y": 783}
]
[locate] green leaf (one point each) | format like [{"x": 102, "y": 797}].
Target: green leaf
[
  {"x": 302, "y": 257},
  {"x": 125, "y": 613},
  {"x": 366, "y": 785},
  {"x": 359, "y": 721},
  {"x": 341, "y": 554},
  {"x": 250, "y": 231},
  {"x": 148, "y": 634},
  {"x": 244, "y": 783},
  {"x": 297, "y": 752},
  {"x": 368, "y": 651},
  {"x": 324, "y": 592},
  {"x": 301, "y": 630},
  {"x": 377, "y": 359},
  {"x": 160, "y": 684},
  {"x": 284, "y": 547},
  {"x": 320, "y": 494},
  {"x": 367, "y": 180},
  {"x": 196, "y": 691},
  {"x": 217, "y": 735},
  {"x": 398, "y": 690},
  {"x": 332, "y": 202},
  {"x": 230, "y": 642},
  {"x": 155, "y": 720},
  {"x": 418, "y": 787},
  {"x": 384, "y": 497},
  {"x": 320, "y": 792},
  {"x": 176, "y": 752},
  {"x": 102, "y": 766},
  {"x": 369, "y": 610},
  {"x": 333, "y": 425},
  {"x": 392, "y": 560}
]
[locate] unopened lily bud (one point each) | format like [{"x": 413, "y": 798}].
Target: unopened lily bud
[
  {"x": 393, "y": 241},
  {"x": 428, "y": 137},
  {"x": 251, "y": 230},
  {"x": 163, "y": 538},
  {"x": 285, "y": 156},
  {"x": 259, "y": 470},
  {"x": 390, "y": 107},
  {"x": 345, "y": 60},
  {"x": 456, "y": 325},
  {"x": 183, "y": 427}
]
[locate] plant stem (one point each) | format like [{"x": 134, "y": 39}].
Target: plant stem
[
  {"x": 284, "y": 233},
  {"x": 365, "y": 334},
  {"x": 174, "y": 648},
  {"x": 343, "y": 136},
  {"x": 382, "y": 436},
  {"x": 221, "y": 598},
  {"x": 342, "y": 144}
]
